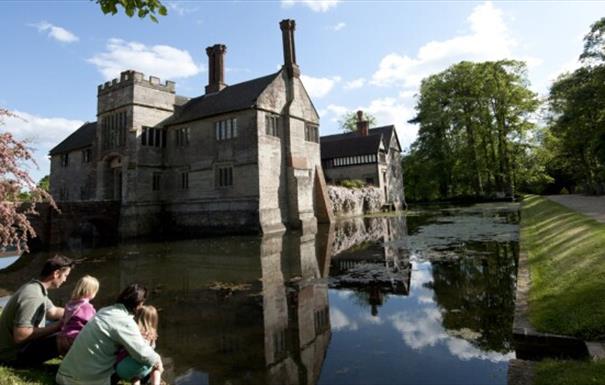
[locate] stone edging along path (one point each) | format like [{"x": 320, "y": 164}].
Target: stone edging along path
[{"x": 527, "y": 340}]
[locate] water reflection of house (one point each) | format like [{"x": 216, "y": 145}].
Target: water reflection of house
[
  {"x": 264, "y": 320},
  {"x": 366, "y": 260}
]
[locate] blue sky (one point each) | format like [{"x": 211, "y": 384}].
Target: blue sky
[{"x": 353, "y": 54}]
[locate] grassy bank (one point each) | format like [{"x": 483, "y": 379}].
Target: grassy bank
[
  {"x": 553, "y": 372},
  {"x": 43, "y": 375},
  {"x": 566, "y": 253}
]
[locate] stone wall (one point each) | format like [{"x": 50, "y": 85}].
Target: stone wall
[
  {"x": 395, "y": 178},
  {"x": 353, "y": 202},
  {"x": 286, "y": 162},
  {"x": 96, "y": 222},
  {"x": 77, "y": 179}
]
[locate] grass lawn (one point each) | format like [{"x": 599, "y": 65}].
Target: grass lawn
[
  {"x": 552, "y": 372},
  {"x": 566, "y": 252},
  {"x": 42, "y": 375}
]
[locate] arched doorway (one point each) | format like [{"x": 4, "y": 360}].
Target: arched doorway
[{"x": 112, "y": 178}]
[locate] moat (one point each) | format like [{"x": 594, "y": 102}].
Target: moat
[{"x": 426, "y": 298}]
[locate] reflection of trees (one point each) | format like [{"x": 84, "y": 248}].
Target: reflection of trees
[{"x": 479, "y": 296}]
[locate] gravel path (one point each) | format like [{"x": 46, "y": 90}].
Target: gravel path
[{"x": 593, "y": 206}]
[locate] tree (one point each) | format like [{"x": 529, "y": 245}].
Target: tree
[
  {"x": 44, "y": 183},
  {"x": 577, "y": 117},
  {"x": 594, "y": 43},
  {"x": 473, "y": 137},
  {"x": 142, "y": 8},
  {"x": 15, "y": 228},
  {"x": 348, "y": 122}
]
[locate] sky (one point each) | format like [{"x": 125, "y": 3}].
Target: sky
[{"x": 368, "y": 55}]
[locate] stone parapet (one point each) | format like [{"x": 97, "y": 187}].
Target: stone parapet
[{"x": 129, "y": 78}]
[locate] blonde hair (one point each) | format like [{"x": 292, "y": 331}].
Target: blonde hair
[
  {"x": 87, "y": 286},
  {"x": 147, "y": 319}
]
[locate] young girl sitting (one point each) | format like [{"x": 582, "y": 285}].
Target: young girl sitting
[
  {"x": 127, "y": 368},
  {"x": 78, "y": 312}
]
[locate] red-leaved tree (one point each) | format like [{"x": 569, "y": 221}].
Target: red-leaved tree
[{"x": 15, "y": 228}]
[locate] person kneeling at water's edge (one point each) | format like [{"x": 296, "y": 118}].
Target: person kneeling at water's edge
[
  {"x": 127, "y": 368},
  {"x": 92, "y": 357},
  {"x": 25, "y": 339}
]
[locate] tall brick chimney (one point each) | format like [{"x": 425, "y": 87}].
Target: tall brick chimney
[
  {"x": 216, "y": 68},
  {"x": 287, "y": 27},
  {"x": 362, "y": 125}
]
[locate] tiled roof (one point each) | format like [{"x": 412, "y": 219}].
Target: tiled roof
[
  {"x": 82, "y": 137},
  {"x": 350, "y": 146},
  {"x": 232, "y": 98},
  {"x": 352, "y": 143}
]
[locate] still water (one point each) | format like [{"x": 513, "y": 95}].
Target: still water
[{"x": 422, "y": 299}]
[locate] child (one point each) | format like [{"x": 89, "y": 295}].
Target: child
[
  {"x": 127, "y": 367},
  {"x": 78, "y": 312}
]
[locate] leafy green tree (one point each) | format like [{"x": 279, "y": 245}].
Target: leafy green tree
[
  {"x": 475, "y": 132},
  {"x": 577, "y": 117},
  {"x": 348, "y": 122},
  {"x": 140, "y": 8},
  {"x": 44, "y": 183},
  {"x": 594, "y": 43}
]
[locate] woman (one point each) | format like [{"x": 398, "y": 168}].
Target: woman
[{"x": 92, "y": 357}]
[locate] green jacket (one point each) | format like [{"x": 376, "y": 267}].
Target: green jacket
[{"x": 92, "y": 357}]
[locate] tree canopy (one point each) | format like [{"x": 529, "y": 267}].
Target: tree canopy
[
  {"x": 576, "y": 118},
  {"x": 140, "y": 8},
  {"x": 475, "y": 135},
  {"x": 348, "y": 122}
]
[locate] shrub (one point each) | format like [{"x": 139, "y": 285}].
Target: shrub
[{"x": 352, "y": 183}]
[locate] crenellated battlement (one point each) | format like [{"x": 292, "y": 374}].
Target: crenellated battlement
[{"x": 131, "y": 77}]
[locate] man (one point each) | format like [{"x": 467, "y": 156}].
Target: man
[{"x": 24, "y": 337}]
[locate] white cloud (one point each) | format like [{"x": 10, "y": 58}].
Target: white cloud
[
  {"x": 465, "y": 351},
  {"x": 488, "y": 39},
  {"x": 314, "y": 5},
  {"x": 55, "y": 32},
  {"x": 355, "y": 83},
  {"x": 421, "y": 329},
  {"x": 569, "y": 66},
  {"x": 338, "y": 26},
  {"x": 42, "y": 134},
  {"x": 340, "y": 321},
  {"x": 333, "y": 112},
  {"x": 319, "y": 87},
  {"x": 424, "y": 329},
  {"x": 392, "y": 111},
  {"x": 180, "y": 8},
  {"x": 163, "y": 61},
  {"x": 370, "y": 319}
]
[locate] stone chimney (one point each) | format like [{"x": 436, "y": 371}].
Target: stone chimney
[
  {"x": 362, "y": 125},
  {"x": 216, "y": 68},
  {"x": 287, "y": 27}
]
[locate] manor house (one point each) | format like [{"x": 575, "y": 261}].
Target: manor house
[
  {"x": 371, "y": 155},
  {"x": 239, "y": 158}
]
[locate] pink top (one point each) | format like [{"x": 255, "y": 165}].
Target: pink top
[{"x": 77, "y": 314}]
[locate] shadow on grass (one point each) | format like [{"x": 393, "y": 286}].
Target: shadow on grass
[{"x": 566, "y": 252}]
